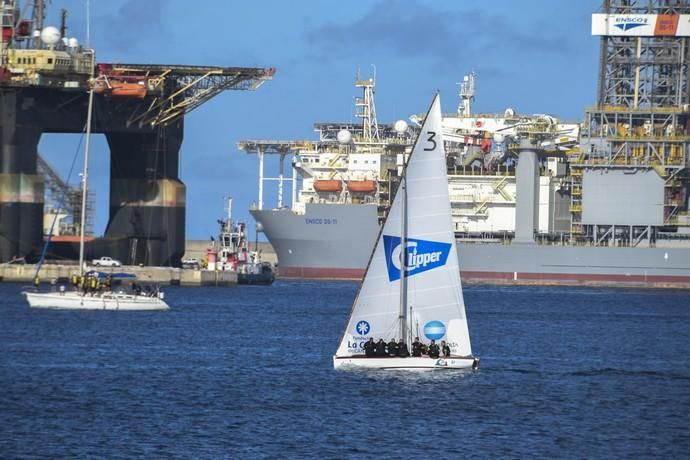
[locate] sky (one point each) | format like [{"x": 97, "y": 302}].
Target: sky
[{"x": 536, "y": 56}]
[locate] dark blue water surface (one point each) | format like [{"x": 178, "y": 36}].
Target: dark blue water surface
[{"x": 247, "y": 372}]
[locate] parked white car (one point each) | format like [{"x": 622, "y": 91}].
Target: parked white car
[
  {"x": 106, "y": 261},
  {"x": 191, "y": 262}
]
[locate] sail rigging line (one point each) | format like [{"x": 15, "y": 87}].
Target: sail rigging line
[
  {"x": 61, "y": 201},
  {"x": 403, "y": 175}
]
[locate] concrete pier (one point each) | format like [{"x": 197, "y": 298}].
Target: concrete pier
[{"x": 24, "y": 273}]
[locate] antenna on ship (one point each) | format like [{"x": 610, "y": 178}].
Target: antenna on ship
[
  {"x": 467, "y": 94},
  {"x": 366, "y": 108},
  {"x": 88, "y": 23},
  {"x": 228, "y": 223}
]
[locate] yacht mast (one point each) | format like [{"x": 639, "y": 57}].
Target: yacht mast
[
  {"x": 85, "y": 175},
  {"x": 402, "y": 317}
]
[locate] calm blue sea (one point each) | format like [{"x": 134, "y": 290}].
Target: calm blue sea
[{"x": 246, "y": 372}]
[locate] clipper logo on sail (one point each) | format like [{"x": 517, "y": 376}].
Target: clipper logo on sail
[{"x": 420, "y": 256}]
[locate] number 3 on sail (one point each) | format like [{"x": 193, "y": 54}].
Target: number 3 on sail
[{"x": 411, "y": 293}]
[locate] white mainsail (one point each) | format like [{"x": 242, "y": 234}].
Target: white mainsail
[{"x": 434, "y": 307}]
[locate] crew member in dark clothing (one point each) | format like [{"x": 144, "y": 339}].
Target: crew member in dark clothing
[
  {"x": 433, "y": 350},
  {"x": 380, "y": 348},
  {"x": 416, "y": 347},
  {"x": 403, "y": 352},
  {"x": 445, "y": 349},
  {"x": 392, "y": 348},
  {"x": 369, "y": 346}
]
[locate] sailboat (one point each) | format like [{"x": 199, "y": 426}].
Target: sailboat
[
  {"x": 411, "y": 287},
  {"x": 90, "y": 293}
]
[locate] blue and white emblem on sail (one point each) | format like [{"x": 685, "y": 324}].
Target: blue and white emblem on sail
[
  {"x": 421, "y": 255},
  {"x": 434, "y": 330},
  {"x": 362, "y": 328}
]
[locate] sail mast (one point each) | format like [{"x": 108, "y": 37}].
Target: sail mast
[
  {"x": 85, "y": 178},
  {"x": 402, "y": 317}
]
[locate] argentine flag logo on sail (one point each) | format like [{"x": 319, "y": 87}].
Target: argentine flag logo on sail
[
  {"x": 421, "y": 255},
  {"x": 434, "y": 330}
]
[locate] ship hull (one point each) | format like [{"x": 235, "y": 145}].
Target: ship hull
[
  {"x": 307, "y": 247},
  {"x": 327, "y": 241}
]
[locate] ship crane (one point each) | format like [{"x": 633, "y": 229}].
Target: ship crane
[{"x": 275, "y": 147}]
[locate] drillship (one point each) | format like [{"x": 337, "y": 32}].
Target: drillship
[{"x": 534, "y": 200}]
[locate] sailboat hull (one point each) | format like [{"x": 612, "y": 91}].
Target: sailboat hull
[
  {"x": 416, "y": 363},
  {"x": 76, "y": 301}
]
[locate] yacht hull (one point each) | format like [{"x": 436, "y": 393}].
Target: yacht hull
[
  {"x": 416, "y": 363},
  {"x": 76, "y": 301}
]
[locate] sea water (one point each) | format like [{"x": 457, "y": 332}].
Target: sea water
[{"x": 246, "y": 372}]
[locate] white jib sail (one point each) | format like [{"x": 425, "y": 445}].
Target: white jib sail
[{"x": 434, "y": 291}]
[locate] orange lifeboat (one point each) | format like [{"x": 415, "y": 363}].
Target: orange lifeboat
[
  {"x": 361, "y": 186},
  {"x": 128, "y": 90},
  {"x": 328, "y": 185}
]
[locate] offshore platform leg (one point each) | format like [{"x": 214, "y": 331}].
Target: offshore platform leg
[{"x": 21, "y": 189}]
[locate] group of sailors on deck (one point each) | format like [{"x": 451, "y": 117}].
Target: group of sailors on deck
[
  {"x": 381, "y": 349},
  {"x": 92, "y": 284}
]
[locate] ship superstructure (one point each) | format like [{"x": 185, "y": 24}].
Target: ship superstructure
[
  {"x": 482, "y": 152},
  {"x": 359, "y": 163},
  {"x": 352, "y": 163},
  {"x": 342, "y": 182}
]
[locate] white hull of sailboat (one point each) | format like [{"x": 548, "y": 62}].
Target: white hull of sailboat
[
  {"x": 416, "y": 363},
  {"x": 112, "y": 301}
]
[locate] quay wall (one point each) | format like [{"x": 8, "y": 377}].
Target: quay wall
[{"x": 24, "y": 273}]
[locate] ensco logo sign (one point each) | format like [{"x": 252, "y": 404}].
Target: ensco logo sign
[
  {"x": 420, "y": 256},
  {"x": 434, "y": 330},
  {"x": 630, "y": 22}
]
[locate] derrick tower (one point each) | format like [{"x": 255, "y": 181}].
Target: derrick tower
[{"x": 630, "y": 175}]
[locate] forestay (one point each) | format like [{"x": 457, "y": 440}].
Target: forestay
[{"x": 434, "y": 307}]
